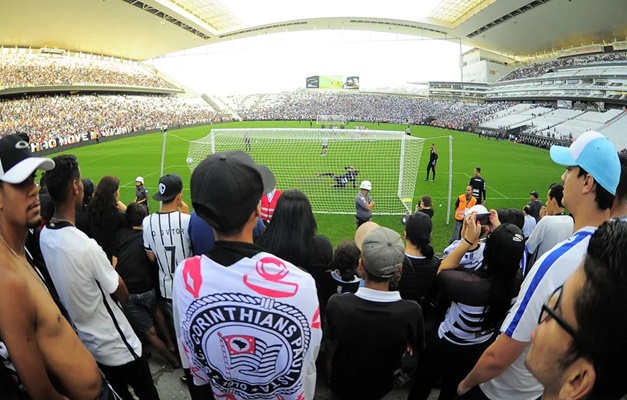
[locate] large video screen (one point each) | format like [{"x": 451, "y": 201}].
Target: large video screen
[{"x": 332, "y": 82}]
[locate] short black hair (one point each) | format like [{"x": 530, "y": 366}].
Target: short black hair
[
  {"x": 621, "y": 190},
  {"x": 527, "y": 209},
  {"x": 478, "y": 169},
  {"x": 603, "y": 198},
  {"x": 556, "y": 191},
  {"x": 600, "y": 308},
  {"x": 135, "y": 214},
  {"x": 511, "y": 216},
  {"x": 61, "y": 176}
]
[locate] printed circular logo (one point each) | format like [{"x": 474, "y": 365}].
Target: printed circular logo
[{"x": 252, "y": 347}]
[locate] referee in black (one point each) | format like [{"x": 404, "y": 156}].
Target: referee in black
[
  {"x": 478, "y": 186},
  {"x": 433, "y": 160}
]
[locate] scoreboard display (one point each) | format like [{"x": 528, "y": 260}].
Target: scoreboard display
[{"x": 332, "y": 82}]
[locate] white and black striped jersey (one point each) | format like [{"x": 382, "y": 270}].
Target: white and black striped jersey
[{"x": 167, "y": 236}]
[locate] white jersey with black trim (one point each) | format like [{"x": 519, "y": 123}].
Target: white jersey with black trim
[
  {"x": 254, "y": 333},
  {"x": 547, "y": 274},
  {"x": 167, "y": 236}
]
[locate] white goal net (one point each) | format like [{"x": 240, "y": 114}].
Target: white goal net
[
  {"x": 330, "y": 119},
  {"x": 328, "y": 164}
]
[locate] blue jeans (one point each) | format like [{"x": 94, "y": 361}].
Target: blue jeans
[
  {"x": 457, "y": 231},
  {"x": 140, "y": 310}
]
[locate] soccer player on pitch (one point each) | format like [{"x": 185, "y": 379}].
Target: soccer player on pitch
[
  {"x": 325, "y": 146},
  {"x": 247, "y": 141},
  {"x": 433, "y": 161}
]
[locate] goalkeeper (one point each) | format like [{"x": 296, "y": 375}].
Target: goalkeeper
[{"x": 350, "y": 176}]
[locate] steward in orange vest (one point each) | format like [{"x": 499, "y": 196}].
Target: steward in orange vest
[{"x": 463, "y": 203}]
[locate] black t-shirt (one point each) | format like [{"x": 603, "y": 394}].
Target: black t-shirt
[
  {"x": 133, "y": 264},
  {"x": 105, "y": 235},
  {"x": 371, "y": 337},
  {"x": 478, "y": 188},
  {"x": 535, "y": 206},
  {"x": 82, "y": 220},
  {"x": 428, "y": 211},
  {"x": 418, "y": 278},
  {"x": 331, "y": 283}
]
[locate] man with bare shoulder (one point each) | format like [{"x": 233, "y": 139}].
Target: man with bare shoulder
[{"x": 37, "y": 344}]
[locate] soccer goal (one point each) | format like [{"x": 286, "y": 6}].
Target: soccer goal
[
  {"x": 328, "y": 164},
  {"x": 330, "y": 119}
]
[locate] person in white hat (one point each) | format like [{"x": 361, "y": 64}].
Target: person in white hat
[
  {"x": 363, "y": 204},
  {"x": 141, "y": 193}
]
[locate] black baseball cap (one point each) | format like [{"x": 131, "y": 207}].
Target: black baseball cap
[
  {"x": 226, "y": 188},
  {"x": 169, "y": 186},
  {"x": 16, "y": 160}
]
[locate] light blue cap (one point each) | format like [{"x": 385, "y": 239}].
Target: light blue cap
[{"x": 594, "y": 153}]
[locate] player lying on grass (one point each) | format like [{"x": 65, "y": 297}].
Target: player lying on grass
[{"x": 350, "y": 176}]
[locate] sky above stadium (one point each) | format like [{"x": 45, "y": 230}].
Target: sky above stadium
[{"x": 273, "y": 63}]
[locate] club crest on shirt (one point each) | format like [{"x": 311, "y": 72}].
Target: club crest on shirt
[{"x": 251, "y": 347}]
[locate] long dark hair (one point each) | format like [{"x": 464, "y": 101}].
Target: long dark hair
[
  {"x": 103, "y": 206},
  {"x": 501, "y": 261},
  {"x": 291, "y": 233}
]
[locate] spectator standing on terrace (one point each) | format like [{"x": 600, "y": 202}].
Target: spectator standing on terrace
[
  {"x": 619, "y": 208},
  {"x": 553, "y": 228},
  {"x": 40, "y": 350},
  {"x": 530, "y": 222},
  {"x": 106, "y": 216},
  {"x": 86, "y": 282},
  {"x": 579, "y": 347},
  {"x": 478, "y": 186},
  {"x": 133, "y": 266},
  {"x": 590, "y": 180},
  {"x": 268, "y": 205},
  {"x": 166, "y": 234},
  {"x": 373, "y": 328},
  {"x": 141, "y": 193},
  {"x": 249, "y": 352},
  {"x": 433, "y": 160},
  {"x": 535, "y": 205}
]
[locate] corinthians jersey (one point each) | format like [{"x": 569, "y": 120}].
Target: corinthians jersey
[{"x": 251, "y": 330}]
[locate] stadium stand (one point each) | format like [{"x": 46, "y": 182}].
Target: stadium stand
[
  {"x": 27, "y": 70},
  {"x": 539, "y": 69},
  {"x": 45, "y": 118}
]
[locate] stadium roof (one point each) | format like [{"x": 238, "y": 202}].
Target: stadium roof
[{"x": 143, "y": 29}]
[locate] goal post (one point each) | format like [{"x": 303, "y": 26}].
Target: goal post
[{"x": 328, "y": 165}]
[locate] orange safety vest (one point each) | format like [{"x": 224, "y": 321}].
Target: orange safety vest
[
  {"x": 461, "y": 210},
  {"x": 267, "y": 207}
]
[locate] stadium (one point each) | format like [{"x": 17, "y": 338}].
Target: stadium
[{"x": 148, "y": 88}]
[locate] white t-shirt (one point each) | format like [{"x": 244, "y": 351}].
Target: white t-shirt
[
  {"x": 253, "y": 332},
  {"x": 85, "y": 279},
  {"x": 530, "y": 223},
  {"x": 471, "y": 259},
  {"x": 551, "y": 230},
  {"x": 546, "y": 275},
  {"x": 167, "y": 236}
]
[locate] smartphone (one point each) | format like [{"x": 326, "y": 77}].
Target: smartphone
[{"x": 483, "y": 218}]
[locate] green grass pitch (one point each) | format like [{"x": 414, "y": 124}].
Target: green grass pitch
[{"x": 511, "y": 170}]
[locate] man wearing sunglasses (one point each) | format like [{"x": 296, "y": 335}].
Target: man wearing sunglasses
[
  {"x": 590, "y": 180},
  {"x": 578, "y": 350}
]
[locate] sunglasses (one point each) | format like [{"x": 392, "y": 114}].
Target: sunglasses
[{"x": 550, "y": 310}]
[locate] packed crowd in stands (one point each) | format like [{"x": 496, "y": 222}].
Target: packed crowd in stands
[
  {"x": 48, "y": 117},
  {"x": 516, "y": 308},
  {"x": 23, "y": 70},
  {"x": 372, "y": 107},
  {"x": 541, "y": 68}
]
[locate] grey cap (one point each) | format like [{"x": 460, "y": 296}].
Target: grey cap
[{"x": 383, "y": 252}]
